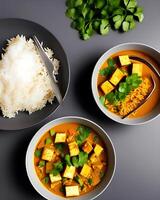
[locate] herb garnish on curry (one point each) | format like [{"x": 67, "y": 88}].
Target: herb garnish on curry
[{"x": 70, "y": 159}]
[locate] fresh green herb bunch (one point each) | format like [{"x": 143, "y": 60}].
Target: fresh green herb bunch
[{"x": 99, "y": 16}]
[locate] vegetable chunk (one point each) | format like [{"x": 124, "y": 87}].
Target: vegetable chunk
[
  {"x": 73, "y": 149},
  {"x": 98, "y": 149},
  {"x": 86, "y": 171},
  {"x": 48, "y": 154},
  {"x": 55, "y": 178},
  {"x": 60, "y": 137},
  {"x": 116, "y": 77},
  {"x": 72, "y": 191},
  {"x": 87, "y": 147},
  {"x": 93, "y": 158},
  {"x": 69, "y": 172},
  {"x": 107, "y": 87},
  {"x": 137, "y": 69},
  {"x": 124, "y": 60}
]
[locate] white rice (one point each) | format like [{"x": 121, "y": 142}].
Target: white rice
[{"x": 24, "y": 82}]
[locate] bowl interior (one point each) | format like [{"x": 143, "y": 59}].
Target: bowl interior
[
  {"x": 12, "y": 27},
  {"x": 110, "y": 154},
  {"x": 153, "y": 53}
]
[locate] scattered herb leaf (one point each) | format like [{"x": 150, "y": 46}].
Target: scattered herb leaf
[
  {"x": 52, "y": 132},
  {"x": 41, "y": 163},
  {"x": 83, "y": 134},
  {"x": 90, "y": 181},
  {"x": 48, "y": 141},
  {"x": 57, "y": 168},
  {"x": 38, "y": 152},
  {"x": 68, "y": 159},
  {"x": 80, "y": 160}
]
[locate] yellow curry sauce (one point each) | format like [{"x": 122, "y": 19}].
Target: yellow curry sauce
[
  {"x": 98, "y": 165},
  {"x": 154, "y": 99}
]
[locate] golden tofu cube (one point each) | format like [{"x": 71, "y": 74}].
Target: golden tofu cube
[
  {"x": 69, "y": 172},
  {"x": 86, "y": 171},
  {"x": 116, "y": 77},
  {"x": 73, "y": 149},
  {"x": 48, "y": 154},
  {"x": 98, "y": 150},
  {"x": 87, "y": 147},
  {"x": 60, "y": 137},
  {"x": 55, "y": 178},
  {"x": 124, "y": 60},
  {"x": 72, "y": 191},
  {"x": 93, "y": 158},
  {"x": 107, "y": 87},
  {"x": 137, "y": 69}
]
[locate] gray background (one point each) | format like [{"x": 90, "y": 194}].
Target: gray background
[{"x": 138, "y": 163}]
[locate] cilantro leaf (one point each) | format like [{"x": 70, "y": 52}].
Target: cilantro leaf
[
  {"x": 83, "y": 134},
  {"x": 68, "y": 159},
  {"x": 38, "y": 153},
  {"x": 57, "y": 168},
  {"x": 109, "y": 69},
  {"x": 80, "y": 160}
]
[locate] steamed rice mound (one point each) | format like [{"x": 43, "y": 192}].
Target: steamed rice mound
[
  {"x": 24, "y": 82},
  {"x": 132, "y": 100}
]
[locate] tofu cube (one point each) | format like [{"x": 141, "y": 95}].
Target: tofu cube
[
  {"x": 87, "y": 147},
  {"x": 60, "y": 137},
  {"x": 72, "y": 191},
  {"x": 48, "y": 154},
  {"x": 98, "y": 150},
  {"x": 107, "y": 87},
  {"x": 55, "y": 178},
  {"x": 86, "y": 171},
  {"x": 116, "y": 77},
  {"x": 73, "y": 149},
  {"x": 137, "y": 69},
  {"x": 69, "y": 172},
  {"x": 93, "y": 158},
  {"x": 124, "y": 60}
]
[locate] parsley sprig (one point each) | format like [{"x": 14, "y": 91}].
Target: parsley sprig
[
  {"x": 89, "y": 16},
  {"x": 107, "y": 71}
]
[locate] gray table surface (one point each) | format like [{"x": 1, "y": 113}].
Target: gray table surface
[{"x": 138, "y": 165}]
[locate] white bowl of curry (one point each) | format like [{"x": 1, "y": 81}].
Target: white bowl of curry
[
  {"x": 70, "y": 157},
  {"x": 122, "y": 83}
]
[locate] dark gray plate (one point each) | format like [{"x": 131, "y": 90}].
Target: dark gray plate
[{"x": 12, "y": 27}]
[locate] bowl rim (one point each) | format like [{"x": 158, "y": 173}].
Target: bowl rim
[
  {"x": 68, "y": 66},
  {"x": 94, "y": 85},
  {"x": 39, "y": 134}
]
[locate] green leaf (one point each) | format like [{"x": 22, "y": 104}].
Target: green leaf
[
  {"x": 78, "y": 2},
  {"x": 79, "y": 181},
  {"x": 102, "y": 100},
  {"x": 38, "y": 153},
  {"x": 85, "y": 10},
  {"x": 99, "y": 4},
  {"x": 60, "y": 146},
  {"x": 80, "y": 160},
  {"x": 90, "y": 181},
  {"x": 45, "y": 180},
  {"x": 52, "y": 132},
  {"x": 96, "y": 25},
  {"x": 68, "y": 159},
  {"x": 109, "y": 69},
  {"x": 83, "y": 134},
  {"x": 70, "y": 3},
  {"x": 48, "y": 141},
  {"x": 90, "y": 14},
  {"x": 41, "y": 163},
  {"x": 125, "y": 26},
  {"x": 57, "y": 168},
  {"x": 104, "y": 27},
  {"x": 71, "y": 13},
  {"x": 132, "y": 25},
  {"x": 139, "y": 14}
]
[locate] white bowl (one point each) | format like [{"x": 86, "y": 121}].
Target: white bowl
[
  {"x": 155, "y": 54},
  {"x": 30, "y": 159}
]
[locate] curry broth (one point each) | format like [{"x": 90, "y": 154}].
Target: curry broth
[
  {"x": 154, "y": 99},
  {"x": 72, "y": 127}
]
